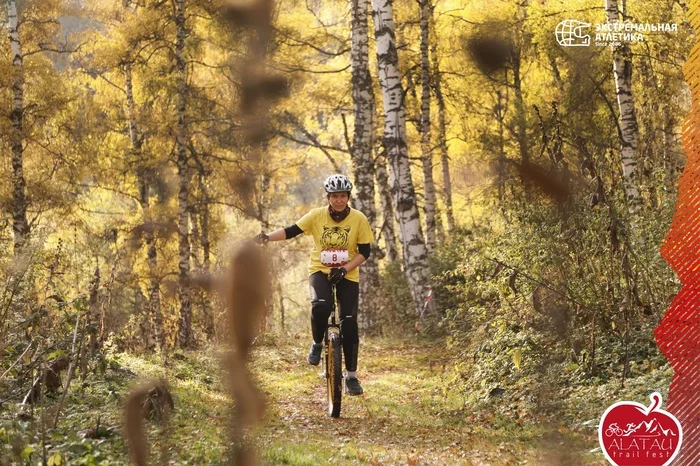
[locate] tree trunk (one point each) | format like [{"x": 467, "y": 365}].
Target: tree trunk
[
  {"x": 442, "y": 144},
  {"x": 387, "y": 229},
  {"x": 206, "y": 260},
  {"x": 670, "y": 162},
  {"x": 263, "y": 215},
  {"x": 201, "y": 209},
  {"x": 20, "y": 226},
  {"x": 195, "y": 238},
  {"x": 429, "y": 207},
  {"x": 93, "y": 314},
  {"x": 555, "y": 72},
  {"x": 185, "y": 295},
  {"x": 520, "y": 116},
  {"x": 520, "y": 113},
  {"x": 394, "y": 140},
  {"x": 156, "y": 335},
  {"x": 280, "y": 303},
  {"x": 363, "y": 165},
  {"x": 629, "y": 132},
  {"x": 499, "y": 112}
]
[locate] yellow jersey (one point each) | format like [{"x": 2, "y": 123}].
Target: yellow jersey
[{"x": 335, "y": 243}]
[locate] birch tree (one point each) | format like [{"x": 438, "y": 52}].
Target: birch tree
[
  {"x": 628, "y": 127},
  {"x": 425, "y": 140},
  {"x": 184, "y": 293},
  {"x": 361, "y": 151},
  {"x": 20, "y": 226},
  {"x": 394, "y": 141}
]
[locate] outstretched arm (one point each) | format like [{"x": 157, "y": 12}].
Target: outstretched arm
[
  {"x": 277, "y": 235},
  {"x": 284, "y": 233}
]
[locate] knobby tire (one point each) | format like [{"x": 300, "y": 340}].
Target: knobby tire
[{"x": 334, "y": 375}]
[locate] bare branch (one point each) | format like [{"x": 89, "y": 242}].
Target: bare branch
[
  {"x": 25, "y": 20},
  {"x": 301, "y": 42},
  {"x": 105, "y": 188},
  {"x": 298, "y": 69},
  {"x": 44, "y": 47},
  {"x": 313, "y": 139}
]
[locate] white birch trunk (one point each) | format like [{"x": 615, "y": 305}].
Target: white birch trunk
[
  {"x": 629, "y": 132},
  {"x": 425, "y": 141},
  {"x": 264, "y": 216},
  {"x": 195, "y": 238},
  {"x": 402, "y": 190},
  {"x": 363, "y": 164},
  {"x": 20, "y": 226},
  {"x": 185, "y": 323}
]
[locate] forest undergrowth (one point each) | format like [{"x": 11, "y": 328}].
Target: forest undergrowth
[{"x": 414, "y": 411}]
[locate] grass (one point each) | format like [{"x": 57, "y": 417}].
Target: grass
[
  {"x": 407, "y": 415},
  {"x": 412, "y": 413}
]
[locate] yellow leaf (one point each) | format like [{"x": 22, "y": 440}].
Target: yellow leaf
[
  {"x": 55, "y": 460},
  {"x": 517, "y": 358},
  {"x": 27, "y": 452},
  {"x": 612, "y": 324}
]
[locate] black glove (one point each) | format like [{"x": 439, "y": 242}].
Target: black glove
[
  {"x": 336, "y": 275},
  {"x": 262, "y": 238}
]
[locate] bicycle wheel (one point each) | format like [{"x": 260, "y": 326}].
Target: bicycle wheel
[{"x": 334, "y": 375}]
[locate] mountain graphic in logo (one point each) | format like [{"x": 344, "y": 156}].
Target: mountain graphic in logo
[{"x": 652, "y": 428}]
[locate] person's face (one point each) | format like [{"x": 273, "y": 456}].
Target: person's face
[{"x": 338, "y": 201}]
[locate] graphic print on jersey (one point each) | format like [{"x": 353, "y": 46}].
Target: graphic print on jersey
[{"x": 335, "y": 237}]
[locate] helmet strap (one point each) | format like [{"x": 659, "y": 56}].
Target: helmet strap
[{"x": 339, "y": 216}]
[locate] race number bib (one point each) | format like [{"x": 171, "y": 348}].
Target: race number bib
[{"x": 334, "y": 257}]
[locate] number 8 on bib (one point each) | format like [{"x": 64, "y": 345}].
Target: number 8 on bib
[{"x": 334, "y": 257}]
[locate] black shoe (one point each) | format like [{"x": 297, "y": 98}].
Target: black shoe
[
  {"x": 315, "y": 354},
  {"x": 352, "y": 386}
]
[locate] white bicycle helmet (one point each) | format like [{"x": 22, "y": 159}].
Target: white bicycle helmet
[{"x": 337, "y": 184}]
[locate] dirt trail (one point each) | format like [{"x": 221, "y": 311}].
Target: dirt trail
[{"x": 409, "y": 415}]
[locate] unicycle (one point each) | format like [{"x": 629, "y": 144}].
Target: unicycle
[{"x": 332, "y": 361}]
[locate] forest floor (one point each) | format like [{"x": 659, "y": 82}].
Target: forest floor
[{"x": 410, "y": 414}]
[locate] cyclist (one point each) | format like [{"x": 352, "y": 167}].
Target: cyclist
[{"x": 342, "y": 238}]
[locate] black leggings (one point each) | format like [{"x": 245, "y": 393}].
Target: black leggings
[{"x": 321, "y": 307}]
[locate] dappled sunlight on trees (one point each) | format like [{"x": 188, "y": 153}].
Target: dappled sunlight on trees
[{"x": 518, "y": 191}]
